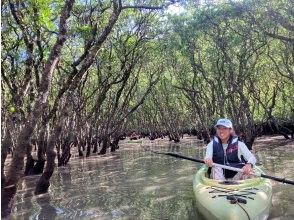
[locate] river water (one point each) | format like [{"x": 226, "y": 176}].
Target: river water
[{"x": 134, "y": 183}]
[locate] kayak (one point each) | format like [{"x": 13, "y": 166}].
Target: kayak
[{"x": 232, "y": 200}]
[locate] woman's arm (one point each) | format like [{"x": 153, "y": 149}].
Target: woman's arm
[
  {"x": 208, "y": 154},
  {"x": 249, "y": 157}
]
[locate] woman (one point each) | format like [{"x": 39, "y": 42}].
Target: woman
[{"x": 226, "y": 149}]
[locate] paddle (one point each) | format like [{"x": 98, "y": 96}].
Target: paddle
[{"x": 282, "y": 180}]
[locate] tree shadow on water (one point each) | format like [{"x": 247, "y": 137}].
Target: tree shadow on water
[
  {"x": 174, "y": 148},
  {"x": 47, "y": 211}
]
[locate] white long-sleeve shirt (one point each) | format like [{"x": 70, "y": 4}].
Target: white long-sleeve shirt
[{"x": 242, "y": 150}]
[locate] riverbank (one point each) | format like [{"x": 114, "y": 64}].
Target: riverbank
[
  {"x": 273, "y": 142},
  {"x": 270, "y": 142}
]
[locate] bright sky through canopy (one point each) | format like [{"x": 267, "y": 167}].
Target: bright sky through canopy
[{"x": 175, "y": 9}]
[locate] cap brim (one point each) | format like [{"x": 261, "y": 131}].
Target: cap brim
[{"x": 222, "y": 125}]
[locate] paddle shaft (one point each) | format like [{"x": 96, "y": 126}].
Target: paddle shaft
[
  {"x": 200, "y": 161},
  {"x": 282, "y": 180}
]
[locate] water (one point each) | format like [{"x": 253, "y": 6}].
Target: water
[{"x": 136, "y": 184}]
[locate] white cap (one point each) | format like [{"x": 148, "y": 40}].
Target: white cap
[{"x": 224, "y": 122}]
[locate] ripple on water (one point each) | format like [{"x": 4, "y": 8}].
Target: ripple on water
[{"x": 136, "y": 184}]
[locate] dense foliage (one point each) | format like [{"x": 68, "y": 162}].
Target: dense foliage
[{"x": 85, "y": 73}]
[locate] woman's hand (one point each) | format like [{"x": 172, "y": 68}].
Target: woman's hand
[
  {"x": 208, "y": 162},
  {"x": 247, "y": 169}
]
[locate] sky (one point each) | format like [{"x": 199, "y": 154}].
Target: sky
[{"x": 175, "y": 9}]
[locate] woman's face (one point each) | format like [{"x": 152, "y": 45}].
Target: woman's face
[{"x": 223, "y": 132}]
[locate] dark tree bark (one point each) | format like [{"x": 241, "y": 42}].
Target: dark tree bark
[
  {"x": 42, "y": 144},
  {"x": 88, "y": 152},
  {"x": 43, "y": 183},
  {"x": 105, "y": 144},
  {"x": 114, "y": 144},
  {"x": 96, "y": 144},
  {"x": 65, "y": 155},
  {"x": 6, "y": 144},
  {"x": 15, "y": 169},
  {"x": 30, "y": 161}
]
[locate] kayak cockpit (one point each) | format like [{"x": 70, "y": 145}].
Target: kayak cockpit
[{"x": 229, "y": 183}]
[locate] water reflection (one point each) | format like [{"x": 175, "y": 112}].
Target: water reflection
[
  {"x": 278, "y": 161},
  {"x": 136, "y": 184}
]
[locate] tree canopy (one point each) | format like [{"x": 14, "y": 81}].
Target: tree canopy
[{"x": 85, "y": 73}]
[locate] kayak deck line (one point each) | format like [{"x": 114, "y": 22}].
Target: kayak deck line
[
  {"x": 216, "y": 190},
  {"x": 237, "y": 193}
]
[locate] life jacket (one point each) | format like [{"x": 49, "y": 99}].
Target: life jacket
[{"x": 229, "y": 157}]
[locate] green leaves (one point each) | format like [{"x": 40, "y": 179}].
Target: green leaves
[
  {"x": 84, "y": 31},
  {"x": 206, "y": 57},
  {"x": 44, "y": 11}
]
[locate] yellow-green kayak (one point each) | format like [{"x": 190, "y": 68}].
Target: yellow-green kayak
[{"x": 232, "y": 200}]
